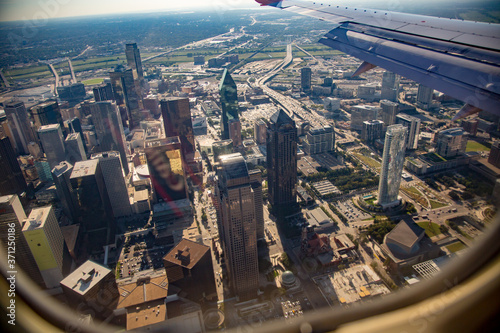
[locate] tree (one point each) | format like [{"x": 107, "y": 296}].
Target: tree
[
  {"x": 454, "y": 195},
  {"x": 443, "y": 229},
  {"x": 387, "y": 262}
]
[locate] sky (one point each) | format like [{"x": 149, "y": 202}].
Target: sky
[
  {"x": 40, "y": 10},
  {"x": 12, "y": 10}
]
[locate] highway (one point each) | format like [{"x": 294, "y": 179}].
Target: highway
[
  {"x": 207, "y": 40},
  {"x": 292, "y": 106}
]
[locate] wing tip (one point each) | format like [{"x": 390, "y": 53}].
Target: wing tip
[{"x": 273, "y": 3}]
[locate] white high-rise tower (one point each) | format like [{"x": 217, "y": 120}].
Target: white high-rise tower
[{"x": 392, "y": 166}]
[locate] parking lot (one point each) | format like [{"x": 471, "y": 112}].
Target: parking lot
[
  {"x": 350, "y": 211},
  {"x": 142, "y": 259}
]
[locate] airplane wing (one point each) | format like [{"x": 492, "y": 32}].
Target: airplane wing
[{"x": 458, "y": 58}]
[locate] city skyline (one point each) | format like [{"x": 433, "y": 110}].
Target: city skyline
[{"x": 207, "y": 169}]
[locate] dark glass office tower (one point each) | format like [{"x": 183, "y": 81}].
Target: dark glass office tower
[
  {"x": 229, "y": 101},
  {"x": 305, "y": 78},
  {"x": 282, "y": 162},
  {"x": 47, "y": 113},
  {"x": 134, "y": 59},
  {"x": 127, "y": 94},
  {"x": 104, "y": 92},
  {"x": 11, "y": 176},
  {"x": 177, "y": 122},
  {"x": 61, "y": 174},
  {"x": 96, "y": 215},
  {"x": 390, "y": 86},
  {"x": 53, "y": 146},
  {"x": 18, "y": 117},
  {"x": 164, "y": 157},
  {"x": 236, "y": 201},
  {"x": 109, "y": 129}
]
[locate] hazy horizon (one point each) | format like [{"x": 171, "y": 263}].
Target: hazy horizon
[{"x": 38, "y": 11}]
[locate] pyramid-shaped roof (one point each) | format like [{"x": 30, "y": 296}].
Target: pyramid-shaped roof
[
  {"x": 226, "y": 80},
  {"x": 281, "y": 117}
]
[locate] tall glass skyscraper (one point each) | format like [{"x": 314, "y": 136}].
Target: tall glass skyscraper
[
  {"x": 282, "y": 162},
  {"x": 177, "y": 122},
  {"x": 11, "y": 178},
  {"x": 47, "y": 113},
  {"x": 134, "y": 59},
  {"x": 96, "y": 215},
  {"x": 109, "y": 129},
  {"x": 18, "y": 118},
  {"x": 112, "y": 172},
  {"x": 127, "y": 94},
  {"x": 393, "y": 160},
  {"x": 229, "y": 101},
  {"x": 52, "y": 143},
  {"x": 237, "y": 216},
  {"x": 390, "y": 86},
  {"x": 164, "y": 157}
]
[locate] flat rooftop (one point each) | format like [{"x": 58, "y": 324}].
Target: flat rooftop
[
  {"x": 84, "y": 168},
  {"x": 146, "y": 314},
  {"x": 85, "y": 277},
  {"x": 37, "y": 218},
  {"x": 49, "y": 128}
]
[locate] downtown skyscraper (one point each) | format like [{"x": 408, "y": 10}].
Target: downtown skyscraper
[
  {"x": 52, "y": 140},
  {"x": 177, "y": 122},
  {"x": 11, "y": 178},
  {"x": 96, "y": 215},
  {"x": 12, "y": 213},
  {"x": 229, "y": 102},
  {"x": 112, "y": 172},
  {"x": 20, "y": 126},
  {"x": 390, "y": 86},
  {"x": 109, "y": 129},
  {"x": 282, "y": 162},
  {"x": 133, "y": 56},
  {"x": 127, "y": 93},
  {"x": 47, "y": 113},
  {"x": 393, "y": 159},
  {"x": 168, "y": 178},
  {"x": 235, "y": 202}
]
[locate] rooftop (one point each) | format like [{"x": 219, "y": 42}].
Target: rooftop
[
  {"x": 85, "y": 277},
  {"x": 37, "y": 218},
  {"x": 84, "y": 168},
  {"x": 281, "y": 117},
  {"x": 72, "y": 136},
  {"x": 405, "y": 233},
  {"x": 234, "y": 166},
  {"x": 49, "y": 128},
  {"x": 142, "y": 291},
  {"x": 186, "y": 254},
  {"x": 61, "y": 168},
  {"x": 146, "y": 314}
]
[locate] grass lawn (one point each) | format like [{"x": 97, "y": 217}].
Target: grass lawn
[
  {"x": 416, "y": 195},
  {"x": 455, "y": 247},
  {"x": 413, "y": 190},
  {"x": 92, "y": 81},
  {"x": 437, "y": 204},
  {"x": 475, "y": 146},
  {"x": 368, "y": 161},
  {"x": 431, "y": 228}
]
